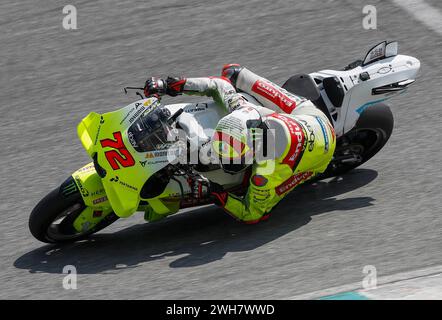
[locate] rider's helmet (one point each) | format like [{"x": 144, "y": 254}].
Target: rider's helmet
[{"x": 234, "y": 139}]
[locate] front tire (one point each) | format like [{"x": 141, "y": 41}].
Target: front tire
[
  {"x": 56, "y": 207},
  {"x": 370, "y": 134}
]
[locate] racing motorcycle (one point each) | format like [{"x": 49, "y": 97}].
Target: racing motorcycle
[{"x": 131, "y": 168}]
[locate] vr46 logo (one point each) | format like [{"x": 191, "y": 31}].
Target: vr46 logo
[{"x": 119, "y": 156}]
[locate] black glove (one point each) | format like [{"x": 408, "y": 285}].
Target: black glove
[
  {"x": 172, "y": 86},
  {"x": 218, "y": 194},
  {"x": 154, "y": 87}
]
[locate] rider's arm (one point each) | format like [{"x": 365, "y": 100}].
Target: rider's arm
[{"x": 220, "y": 89}]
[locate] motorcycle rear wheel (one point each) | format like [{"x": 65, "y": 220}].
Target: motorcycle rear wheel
[{"x": 370, "y": 134}]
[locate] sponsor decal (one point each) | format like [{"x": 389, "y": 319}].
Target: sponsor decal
[
  {"x": 292, "y": 182},
  {"x": 384, "y": 70},
  {"x": 297, "y": 143},
  {"x": 275, "y": 95},
  {"x": 324, "y": 132},
  {"x": 143, "y": 163},
  {"x": 127, "y": 115},
  {"x": 98, "y": 130},
  {"x": 97, "y": 214},
  {"x": 136, "y": 115},
  {"x": 87, "y": 168},
  {"x": 137, "y": 105},
  {"x": 198, "y": 107},
  {"x": 117, "y": 180},
  {"x": 69, "y": 189},
  {"x": 100, "y": 200},
  {"x": 132, "y": 141},
  {"x": 150, "y": 163},
  {"x": 259, "y": 180},
  {"x": 376, "y": 53},
  {"x": 83, "y": 190},
  {"x": 162, "y": 153},
  {"x": 97, "y": 192},
  {"x": 162, "y": 146},
  {"x": 311, "y": 135},
  {"x": 235, "y": 102}
]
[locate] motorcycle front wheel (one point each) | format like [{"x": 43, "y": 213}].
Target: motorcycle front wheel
[{"x": 52, "y": 219}]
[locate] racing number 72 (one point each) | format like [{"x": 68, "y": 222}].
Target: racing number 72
[{"x": 114, "y": 157}]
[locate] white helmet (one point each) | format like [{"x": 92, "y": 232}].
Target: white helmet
[{"x": 233, "y": 141}]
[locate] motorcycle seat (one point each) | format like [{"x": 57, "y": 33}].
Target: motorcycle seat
[{"x": 303, "y": 85}]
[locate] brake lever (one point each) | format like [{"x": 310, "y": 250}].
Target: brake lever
[
  {"x": 131, "y": 88},
  {"x": 134, "y": 88},
  {"x": 139, "y": 94}
]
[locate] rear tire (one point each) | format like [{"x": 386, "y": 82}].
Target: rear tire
[
  {"x": 368, "y": 137},
  {"x": 49, "y": 210}
]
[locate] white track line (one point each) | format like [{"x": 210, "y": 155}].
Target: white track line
[
  {"x": 421, "y": 288},
  {"x": 423, "y": 12},
  {"x": 382, "y": 280}
]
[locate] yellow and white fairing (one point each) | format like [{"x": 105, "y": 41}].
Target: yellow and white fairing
[
  {"x": 94, "y": 196},
  {"x": 123, "y": 169}
]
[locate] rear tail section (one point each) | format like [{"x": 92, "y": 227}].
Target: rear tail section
[{"x": 381, "y": 75}]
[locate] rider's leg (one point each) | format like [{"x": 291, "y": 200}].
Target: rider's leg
[
  {"x": 274, "y": 97},
  {"x": 267, "y": 93}
]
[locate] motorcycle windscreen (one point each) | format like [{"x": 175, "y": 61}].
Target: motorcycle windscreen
[{"x": 151, "y": 131}]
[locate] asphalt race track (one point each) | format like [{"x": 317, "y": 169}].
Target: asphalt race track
[{"x": 386, "y": 214}]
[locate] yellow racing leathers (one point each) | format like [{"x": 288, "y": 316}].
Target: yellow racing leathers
[
  {"x": 309, "y": 142},
  {"x": 304, "y": 140}
]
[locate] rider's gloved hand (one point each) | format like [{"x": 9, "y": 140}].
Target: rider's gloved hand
[
  {"x": 154, "y": 87},
  {"x": 172, "y": 86},
  {"x": 218, "y": 194}
]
